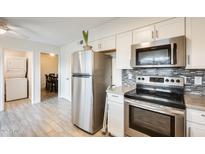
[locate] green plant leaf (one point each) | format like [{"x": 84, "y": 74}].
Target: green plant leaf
[{"x": 85, "y": 37}]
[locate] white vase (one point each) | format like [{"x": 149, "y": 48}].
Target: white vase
[{"x": 87, "y": 47}]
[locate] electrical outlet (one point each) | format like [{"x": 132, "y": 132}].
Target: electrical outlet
[
  {"x": 129, "y": 76},
  {"x": 198, "y": 80},
  {"x": 185, "y": 79}
]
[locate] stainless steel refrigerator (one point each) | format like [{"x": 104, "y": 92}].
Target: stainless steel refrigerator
[{"x": 91, "y": 74}]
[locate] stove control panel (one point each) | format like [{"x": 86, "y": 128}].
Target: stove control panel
[{"x": 160, "y": 80}]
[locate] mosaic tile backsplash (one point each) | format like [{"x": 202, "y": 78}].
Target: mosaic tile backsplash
[{"x": 190, "y": 87}]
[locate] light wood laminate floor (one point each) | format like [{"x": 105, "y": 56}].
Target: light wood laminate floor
[
  {"x": 47, "y": 95},
  {"x": 49, "y": 118}
]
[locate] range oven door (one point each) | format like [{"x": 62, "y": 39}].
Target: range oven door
[
  {"x": 160, "y": 53},
  {"x": 146, "y": 119}
]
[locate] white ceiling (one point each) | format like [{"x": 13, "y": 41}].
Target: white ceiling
[{"x": 56, "y": 31}]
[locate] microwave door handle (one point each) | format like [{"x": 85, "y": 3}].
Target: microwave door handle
[{"x": 173, "y": 53}]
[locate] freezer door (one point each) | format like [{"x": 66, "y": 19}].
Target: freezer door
[
  {"x": 82, "y": 62},
  {"x": 82, "y": 102}
]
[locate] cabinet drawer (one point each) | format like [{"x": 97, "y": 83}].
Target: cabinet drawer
[
  {"x": 196, "y": 116},
  {"x": 116, "y": 98}
]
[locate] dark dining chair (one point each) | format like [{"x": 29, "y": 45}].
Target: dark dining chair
[
  {"x": 51, "y": 82},
  {"x": 55, "y": 81},
  {"x": 48, "y": 82},
  {"x": 51, "y": 74}
]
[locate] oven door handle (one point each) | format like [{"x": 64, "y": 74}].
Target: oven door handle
[
  {"x": 159, "y": 109},
  {"x": 144, "y": 106}
]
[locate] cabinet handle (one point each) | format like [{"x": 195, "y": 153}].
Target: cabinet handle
[
  {"x": 188, "y": 59},
  {"x": 189, "y": 131},
  {"x": 99, "y": 46},
  {"x": 157, "y": 34},
  {"x": 152, "y": 34},
  {"x": 114, "y": 96},
  {"x": 203, "y": 115}
]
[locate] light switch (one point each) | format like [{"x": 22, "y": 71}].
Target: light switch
[{"x": 198, "y": 80}]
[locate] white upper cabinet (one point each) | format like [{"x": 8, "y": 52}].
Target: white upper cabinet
[
  {"x": 107, "y": 43},
  {"x": 170, "y": 28},
  {"x": 104, "y": 44},
  {"x": 95, "y": 45},
  {"x": 166, "y": 29},
  {"x": 195, "y": 32},
  {"x": 143, "y": 35},
  {"x": 123, "y": 50}
]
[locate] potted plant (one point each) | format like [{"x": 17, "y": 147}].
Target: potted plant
[{"x": 85, "y": 38}]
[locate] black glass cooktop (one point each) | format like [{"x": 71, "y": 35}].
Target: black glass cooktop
[{"x": 172, "y": 97}]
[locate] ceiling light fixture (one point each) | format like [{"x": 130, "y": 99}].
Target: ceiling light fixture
[
  {"x": 2, "y": 31},
  {"x": 52, "y": 54}
]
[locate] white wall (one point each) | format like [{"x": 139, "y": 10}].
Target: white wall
[
  {"x": 116, "y": 74},
  {"x": 65, "y": 69},
  {"x": 29, "y": 55},
  {"x": 25, "y": 45},
  {"x": 1, "y": 79}
]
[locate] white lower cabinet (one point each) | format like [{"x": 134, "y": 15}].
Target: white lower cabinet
[
  {"x": 195, "y": 123},
  {"x": 116, "y": 115},
  {"x": 195, "y": 130}
]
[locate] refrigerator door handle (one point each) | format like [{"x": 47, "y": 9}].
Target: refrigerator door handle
[{"x": 82, "y": 76}]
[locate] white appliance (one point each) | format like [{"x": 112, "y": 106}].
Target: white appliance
[
  {"x": 16, "y": 88},
  {"x": 16, "y": 82}
]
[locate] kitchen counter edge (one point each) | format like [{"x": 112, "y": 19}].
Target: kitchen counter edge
[
  {"x": 194, "y": 101},
  {"x": 120, "y": 90}
]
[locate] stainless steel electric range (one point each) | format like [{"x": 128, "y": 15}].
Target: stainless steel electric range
[{"x": 156, "y": 107}]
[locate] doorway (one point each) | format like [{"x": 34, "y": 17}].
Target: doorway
[
  {"x": 17, "y": 77},
  {"x": 49, "y": 76}
]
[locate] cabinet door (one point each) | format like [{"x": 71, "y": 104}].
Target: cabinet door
[
  {"x": 123, "y": 50},
  {"x": 95, "y": 45},
  {"x": 104, "y": 44},
  {"x": 107, "y": 43},
  {"x": 170, "y": 28},
  {"x": 195, "y": 130},
  {"x": 195, "y": 33},
  {"x": 115, "y": 118},
  {"x": 143, "y": 35}
]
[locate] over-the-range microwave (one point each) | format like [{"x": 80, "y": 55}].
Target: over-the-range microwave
[{"x": 161, "y": 53}]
